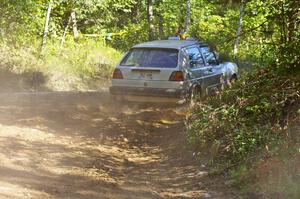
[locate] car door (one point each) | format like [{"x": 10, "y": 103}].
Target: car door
[
  {"x": 214, "y": 75},
  {"x": 196, "y": 63}
]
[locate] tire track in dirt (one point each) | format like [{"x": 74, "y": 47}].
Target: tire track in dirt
[{"x": 83, "y": 145}]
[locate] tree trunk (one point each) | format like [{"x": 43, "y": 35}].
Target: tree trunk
[
  {"x": 161, "y": 27},
  {"x": 136, "y": 13},
  {"x": 74, "y": 22},
  {"x": 188, "y": 15},
  {"x": 239, "y": 30},
  {"x": 150, "y": 19},
  {"x": 293, "y": 15},
  {"x": 160, "y": 21},
  {"x": 65, "y": 32},
  {"x": 47, "y": 26}
]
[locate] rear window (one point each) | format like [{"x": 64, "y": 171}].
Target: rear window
[{"x": 157, "y": 58}]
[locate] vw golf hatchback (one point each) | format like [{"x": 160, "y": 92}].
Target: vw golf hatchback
[{"x": 170, "y": 71}]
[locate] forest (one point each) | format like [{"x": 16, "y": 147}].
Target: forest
[
  {"x": 268, "y": 29},
  {"x": 250, "y": 131}
]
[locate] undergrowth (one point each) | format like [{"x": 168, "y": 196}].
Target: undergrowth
[
  {"x": 73, "y": 66},
  {"x": 252, "y": 122},
  {"x": 248, "y": 117},
  {"x": 248, "y": 126}
]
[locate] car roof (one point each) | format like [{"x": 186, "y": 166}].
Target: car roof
[{"x": 168, "y": 44}]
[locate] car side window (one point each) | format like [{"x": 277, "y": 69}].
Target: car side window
[
  {"x": 209, "y": 56},
  {"x": 195, "y": 57}
]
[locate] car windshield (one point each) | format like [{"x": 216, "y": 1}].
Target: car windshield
[{"x": 157, "y": 58}]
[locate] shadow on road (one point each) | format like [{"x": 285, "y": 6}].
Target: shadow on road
[{"x": 84, "y": 145}]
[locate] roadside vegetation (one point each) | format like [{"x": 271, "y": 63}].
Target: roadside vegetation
[
  {"x": 78, "y": 66},
  {"x": 250, "y": 130}
]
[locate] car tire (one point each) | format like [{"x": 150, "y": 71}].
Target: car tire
[
  {"x": 230, "y": 81},
  {"x": 233, "y": 78},
  {"x": 195, "y": 95}
]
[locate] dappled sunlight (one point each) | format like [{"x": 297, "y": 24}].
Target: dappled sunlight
[
  {"x": 111, "y": 151},
  {"x": 9, "y": 190}
]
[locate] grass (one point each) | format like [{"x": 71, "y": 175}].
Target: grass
[{"x": 81, "y": 65}]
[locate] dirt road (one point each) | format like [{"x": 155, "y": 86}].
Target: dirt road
[{"x": 82, "y": 145}]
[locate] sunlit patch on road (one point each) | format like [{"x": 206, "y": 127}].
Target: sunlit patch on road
[{"x": 85, "y": 146}]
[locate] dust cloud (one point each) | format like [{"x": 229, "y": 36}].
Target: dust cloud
[{"x": 84, "y": 145}]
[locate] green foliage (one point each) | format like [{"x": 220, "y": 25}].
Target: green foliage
[
  {"x": 130, "y": 35},
  {"x": 270, "y": 32},
  {"x": 22, "y": 18},
  {"x": 85, "y": 57},
  {"x": 246, "y": 118},
  {"x": 72, "y": 67}
]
